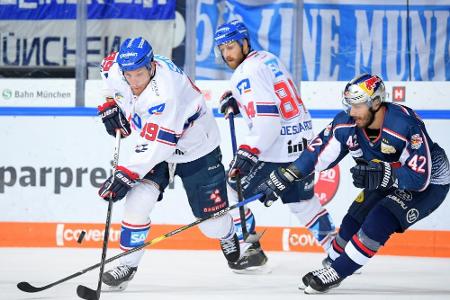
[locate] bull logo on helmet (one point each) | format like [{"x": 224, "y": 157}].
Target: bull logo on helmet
[{"x": 370, "y": 84}]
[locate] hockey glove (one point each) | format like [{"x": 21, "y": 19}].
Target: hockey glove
[
  {"x": 373, "y": 175},
  {"x": 118, "y": 185},
  {"x": 244, "y": 160},
  {"x": 276, "y": 184},
  {"x": 227, "y": 102},
  {"x": 114, "y": 119}
]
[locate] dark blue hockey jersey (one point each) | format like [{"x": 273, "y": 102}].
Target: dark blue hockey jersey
[{"x": 403, "y": 141}]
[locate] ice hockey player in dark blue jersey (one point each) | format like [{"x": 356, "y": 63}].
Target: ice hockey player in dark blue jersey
[{"x": 404, "y": 175}]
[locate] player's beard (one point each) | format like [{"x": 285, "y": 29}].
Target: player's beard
[
  {"x": 138, "y": 88},
  {"x": 235, "y": 62},
  {"x": 368, "y": 119}
]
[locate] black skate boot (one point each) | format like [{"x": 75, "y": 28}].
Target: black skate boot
[
  {"x": 253, "y": 261},
  {"x": 305, "y": 279},
  {"x": 118, "y": 278},
  {"x": 230, "y": 248},
  {"x": 322, "y": 281}
]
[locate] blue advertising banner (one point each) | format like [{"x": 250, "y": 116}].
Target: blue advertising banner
[
  {"x": 42, "y": 33},
  {"x": 117, "y": 9},
  {"x": 400, "y": 40}
]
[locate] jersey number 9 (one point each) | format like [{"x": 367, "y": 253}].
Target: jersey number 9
[{"x": 150, "y": 131}]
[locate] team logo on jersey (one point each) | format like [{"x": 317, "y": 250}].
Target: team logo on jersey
[
  {"x": 416, "y": 141},
  {"x": 157, "y": 110},
  {"x": 386, "y": 148},
  {"x": 244, "y": 86}
]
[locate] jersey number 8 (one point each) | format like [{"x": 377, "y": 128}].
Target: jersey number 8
[{"x": 289, "y": 100}]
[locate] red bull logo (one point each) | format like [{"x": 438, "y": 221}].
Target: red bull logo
[{"x": 369, "y": 85}]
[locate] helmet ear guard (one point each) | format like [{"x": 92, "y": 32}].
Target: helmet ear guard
[
  {"x": 364, "y": 88},
  {"x": 134, "y": 54}
]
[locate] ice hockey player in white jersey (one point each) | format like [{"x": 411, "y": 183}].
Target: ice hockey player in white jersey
[
  {"x": 404, "y": 174},
  {"x": 263, "y": 92},
  {"x": 177, "y": 136}
]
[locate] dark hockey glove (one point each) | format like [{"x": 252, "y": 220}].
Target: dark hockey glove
[
  {"x": 244, "y": 160},
  {"x": 114, "y": 119},
  {"x": 276, "y": 184},
  {"x": 118, "y": 185},
  {"x": 373, "y": 175},
  {"x": 227, "y": 103}
]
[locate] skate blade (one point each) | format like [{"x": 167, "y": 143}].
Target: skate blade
[
  {"x": 310, "y": 291},
  {"x": 259, "y": 270},
  {"x": 114, "y": 289},
  {"x": 302, "y": 286}
]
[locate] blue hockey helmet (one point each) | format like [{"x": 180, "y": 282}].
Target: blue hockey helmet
[
  {"x": 364, "y": 88},
  {"x": 241, "y": 27},
  {"x": 134, "y": 54},
  {"x": 227, "y": 33}
]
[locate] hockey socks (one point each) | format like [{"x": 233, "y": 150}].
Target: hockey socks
[
  {"x": 131, "y": 236},
  {"x": 375, "y": 231}
]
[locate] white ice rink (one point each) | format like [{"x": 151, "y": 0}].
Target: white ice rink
[{"x": 196, "y": 275}]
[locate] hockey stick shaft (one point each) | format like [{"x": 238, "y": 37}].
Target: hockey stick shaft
[
  {"x": 27, "y": 287},
  {"x": 238, "y": 178},
  {"x": 107, "y": 224}
]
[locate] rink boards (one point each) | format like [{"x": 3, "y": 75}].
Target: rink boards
[{"x": 52, "y": 167}]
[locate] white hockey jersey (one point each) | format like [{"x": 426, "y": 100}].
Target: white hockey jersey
[
  {"x": 171, "y": 115},
  {"x": 268, "y": 100}
]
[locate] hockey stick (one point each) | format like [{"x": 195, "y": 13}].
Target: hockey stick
[
  {"x": 27, "y": 287},
  {"x": 83, "y": 291},
  {"x": 247, "y": 237}
]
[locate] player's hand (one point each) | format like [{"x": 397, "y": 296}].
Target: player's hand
[
  {"x": 114, "y": 119},
  {"x": 373, "y": 175},
  {"x": 117, "y": 186},
  {"x": 228, "y": 104},
  {"x": 275, "y": 185},
  {"x": 244, "y": 160}
]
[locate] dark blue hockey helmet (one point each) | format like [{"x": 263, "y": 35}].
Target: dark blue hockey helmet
[{"x": 134, "y": 54}]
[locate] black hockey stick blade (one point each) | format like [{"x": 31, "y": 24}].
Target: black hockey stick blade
[
  {"x": 26, "y": 287},
  {"x": 87, "y": 293}
]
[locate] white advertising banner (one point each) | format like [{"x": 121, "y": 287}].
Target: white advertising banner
[
  {"x": 51, "y": 166},
  {"x": 37, "y": 93}
]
